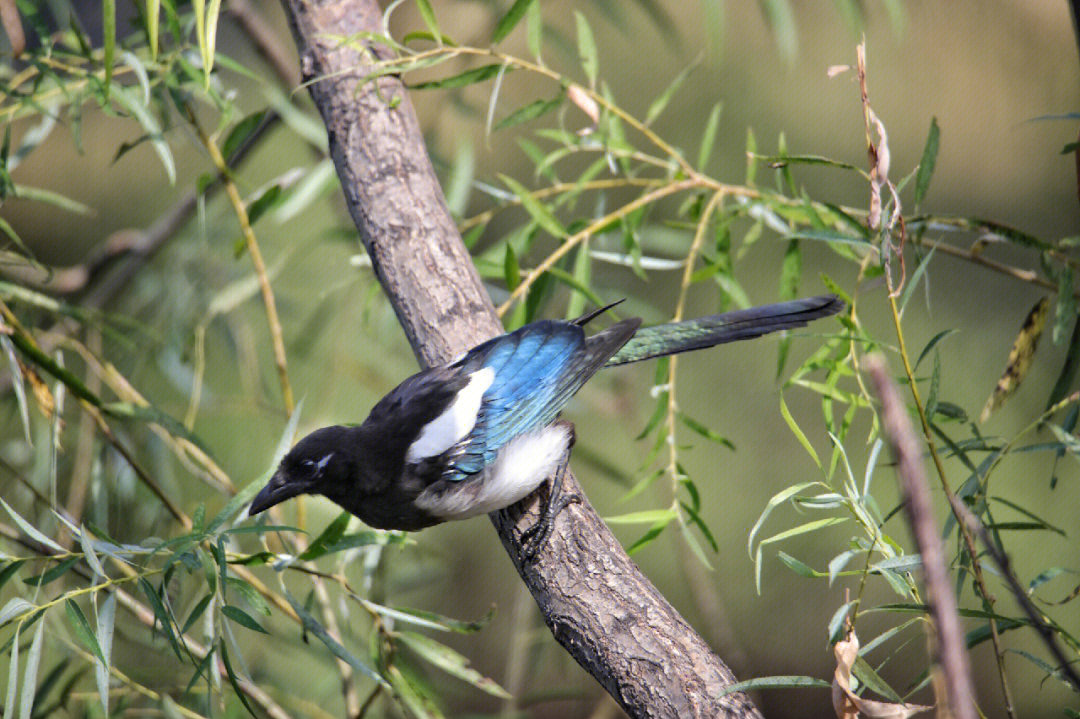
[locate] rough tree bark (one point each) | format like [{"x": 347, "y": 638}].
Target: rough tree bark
[{"x": 594, "y": 599}]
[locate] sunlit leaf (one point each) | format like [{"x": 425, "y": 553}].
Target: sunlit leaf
[
  {"x": 450, "y": 662},
  {"x": 586, "y": 48}
]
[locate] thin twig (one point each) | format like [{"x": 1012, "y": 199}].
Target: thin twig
[
  {"x": 951, "y": 649},
  {"x": 240, "y": 210}
]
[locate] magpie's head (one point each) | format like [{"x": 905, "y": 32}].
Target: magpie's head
[{"x": 316, "y": 465}]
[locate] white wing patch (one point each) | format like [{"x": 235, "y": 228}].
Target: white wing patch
[
  {"x": 519, "y": 468},
  {"x": 450, "y": 427}
]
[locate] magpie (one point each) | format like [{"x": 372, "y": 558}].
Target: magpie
[{"x": 482, "y": 432}]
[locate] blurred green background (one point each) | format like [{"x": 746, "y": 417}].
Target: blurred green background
[{"x": 986, "y": 71}]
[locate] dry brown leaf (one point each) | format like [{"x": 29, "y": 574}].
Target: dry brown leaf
[
  {"x": 849, "y": 705},
  {"x": 1023, "y": 350}
]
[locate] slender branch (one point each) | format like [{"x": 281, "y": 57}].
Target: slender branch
[
  {"x": 915, "y": 491},
  {"x": 240, "y": 209}
]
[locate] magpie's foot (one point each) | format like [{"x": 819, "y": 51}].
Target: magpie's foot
[{"x": 533, "y": 538}]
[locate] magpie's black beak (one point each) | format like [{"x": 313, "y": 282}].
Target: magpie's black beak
[{"x": 277, "y": 490}]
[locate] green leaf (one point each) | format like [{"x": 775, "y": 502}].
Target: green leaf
[
  {"x": 125, "y": 96},
  {"x": 333, "y": 532},
  {"x": 242, "y": 618},
  {"x": 469, "y": 77},
  {"x": 510, "y": 20},
  {"x": 82, "y": 629},
  {"x": 777, "y": 682},
  {"x": 268, "y": 199},
  {"x": 586, "y": 49},
  {"x": 926, "y": 164},
  {"x": 534, "y": 28},
  {"x": 30, "y": 530},
  {"x": 13, "y": 673},
  {"x": 704, "y": 431},
  {"x": 1065, "y": 311},
  {"x": 1068, "y": 368},
  {"x": 648, "y": 516},
  {"x": 312, "y": 626},
  {"x": 781, "y": 19},
  {"x": 108, "y": 34},
  {"x": 232, "y": 677},
  {"x": 539, "y": 212},
  {"x": 866, "y": 674},
  {"x": 799, "y": 567},
  {"x": 657, "y": 106},
  {"x": 533, "y": 110},
  {"x": 428, "y": 14},
  {"x": 161, "y": 614},
  {"x": 241, "y": 132},
  {"x": 197, "y": 612},
  {"x": 431, "y": 620},
  {"x": 33, "y": 659},
  {"x": 511, "y": 269},
  {"x": 932, "y": 343},
  {"x": 450, "y": 662},
  {"x": 708, "y": 137},
  {"x": 794, "y": 427},
  {"x": 49, "y": 197},
  {"x": 153, "y": 12},
  {"x": 16, "y": 606}
]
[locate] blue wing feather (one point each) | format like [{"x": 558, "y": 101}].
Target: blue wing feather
[{"x": 538, "y": 368}]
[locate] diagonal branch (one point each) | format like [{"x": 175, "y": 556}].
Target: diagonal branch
[{"x": 594, "y": 599}]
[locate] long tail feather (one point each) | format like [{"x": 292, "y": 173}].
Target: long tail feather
[{"x": 675, "y": 337}]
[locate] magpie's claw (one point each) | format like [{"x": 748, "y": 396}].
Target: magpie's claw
[{"x": 533, "y": 538}]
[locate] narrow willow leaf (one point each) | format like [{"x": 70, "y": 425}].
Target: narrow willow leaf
[
  {"x": 242, "y": 618},
  {"x": 870, "y": 678},
  {"x": 777, "y": 682},
  {"x": 196, "y": 613},
  {"x": 33, "y": 660},
  {"x": 30, "y": 530},
  {"x": 49, "y": 197},
  {"x": 410, "y": 694},
  {"x": 17, "y": 385},
  {"x": 533, "y": 110},
  {"x": 926, "y": 164},
  {"x": 13, "y": 675},
  {"x": 510, "y": 20},
  {"x": 534, "y": 31},
  {"x": 82, "y": 629},
  {"x": 106, "y": 621},
  {"x": 16, "y": 606},
  {"x": 511, "y": 268},
  {"x": 781, "y": 19},
  {"x": 704, "y": 431},
  {"x": 469, "y": 77},
  {"x": 333, "y": 532},
  {"x": 1068, "y": 368},
  {"x": 799, "y": 567},
  {"x": 657, "y": 106},
  {"x": 836, "y": 624},
  {"x": 653, "y": 532},
  {"x": 647, "y": 516},
  {"x": 212, "y": 14},
  {"x": 241, "y": 132},
  {"x": 125, "y": 97},
  {"x": 775, "y": 501},
  {"x": 89, "y": 553},
  {"x": 9, "y": 570},
  {"x": 153, "y": 12},
  {"x": 450, "y": 662},
  {"x": 1065, "y": 311},
  {"x": 794, "y": 427},
  {"x": 582, "y": 277},
  {"x": 708, "y": 137},
  {"x": 108, "y": 35},
  {"x": 428, "y": 14},
  {"x": 312, "y": 626},
  {"x": 161, "y": 614},
  {"x": 1020, "y": 356},
  {"x": 539, "y": 212},
  {"x": 586, "y": 48},
  {"x": 932, "y": 343},
  {"x": 231, "y": 674}
]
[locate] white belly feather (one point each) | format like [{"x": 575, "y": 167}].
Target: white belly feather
[{"x": 519, "y": 468}]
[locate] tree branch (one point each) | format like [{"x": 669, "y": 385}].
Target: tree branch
[{"x": 594, "y": 599}]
